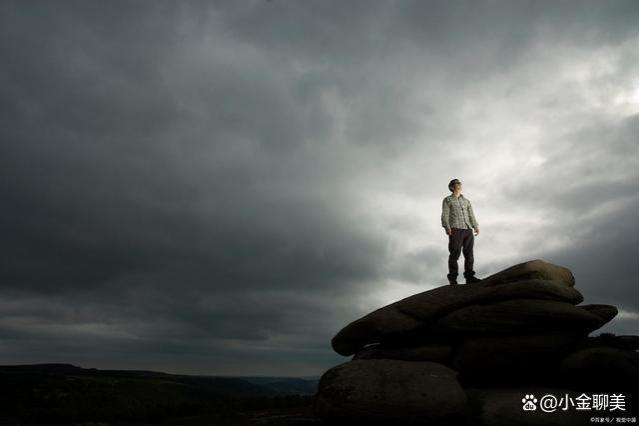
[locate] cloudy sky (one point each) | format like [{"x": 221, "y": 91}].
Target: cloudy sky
[{"x": 219, "y": 187}]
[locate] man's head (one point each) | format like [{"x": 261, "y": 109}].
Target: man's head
[{"x": 453, "y": 184}]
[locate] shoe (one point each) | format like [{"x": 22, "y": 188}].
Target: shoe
[
  {"x": 452, "y": 279},
  {"x": 471, "y": 278}
]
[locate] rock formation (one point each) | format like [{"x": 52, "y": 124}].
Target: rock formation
[{"x": 474, "y": 353}]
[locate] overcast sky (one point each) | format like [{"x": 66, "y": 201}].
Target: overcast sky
[{"x": 219, "y": 187}]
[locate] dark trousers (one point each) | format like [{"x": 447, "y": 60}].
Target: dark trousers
[{"x": 460, "y": 240}]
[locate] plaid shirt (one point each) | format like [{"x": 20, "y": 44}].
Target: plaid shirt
[{"x": 457, "y": 212}]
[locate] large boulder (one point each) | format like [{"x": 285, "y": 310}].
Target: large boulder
[
  {"x": 527, "y": 357},
  {"x": 441, "y": 300},
  {"x": 415, "y": 311},
  {"x": 384, "y": 391},
  {"x": 518, "y": 315},
  {"x": 605, "y": 312},
  {"x": 532, "y": 269},
  {"x": 372, "y": 328},
  {"x": 429, "y": 352}
]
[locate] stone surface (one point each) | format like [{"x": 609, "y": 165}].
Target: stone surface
[
  {"x": 518, "y": 315},
  {"x": 384, "y": 391},
  {"x": 432, "y": 352},
  {"x": 532, "y": 269},
  {"x": 519, "y": 331},
  {"x": 605, "y": 312},
  {"x": 441, "y": 300},
  {"x": 372, "y": 328},
  {"x": 513, "y": 358},
  {"x": 540, "y": 280}
]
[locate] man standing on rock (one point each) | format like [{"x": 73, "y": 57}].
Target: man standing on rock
[{"x": 458, "y": 220}]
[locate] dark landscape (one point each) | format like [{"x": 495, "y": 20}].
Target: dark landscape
[{"x": 68, "y": 394}]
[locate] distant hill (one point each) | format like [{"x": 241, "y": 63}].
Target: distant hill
[
  {"x": 68, "y": 393},
  {"x": 286, "y": 385}
]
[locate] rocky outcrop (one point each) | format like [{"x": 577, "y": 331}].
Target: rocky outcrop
[
  {"x": 413, "y": 312},
  {"x": 462, "y": 352},
  {"x": 386, "y": 390}
]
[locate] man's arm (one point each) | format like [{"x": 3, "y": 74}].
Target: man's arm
[
  {"x": 445, "y": 215},
  {"x": 473, "y": 221}
]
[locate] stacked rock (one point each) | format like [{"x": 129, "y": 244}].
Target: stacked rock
[{"x": 472, "y": 354}]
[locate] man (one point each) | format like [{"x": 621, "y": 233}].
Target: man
[{"x": 458, "y": 219}]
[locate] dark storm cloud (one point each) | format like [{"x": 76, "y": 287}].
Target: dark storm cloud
[
  {"x": 116, "y": 222},
  {"x": 193, "y": 186}
]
